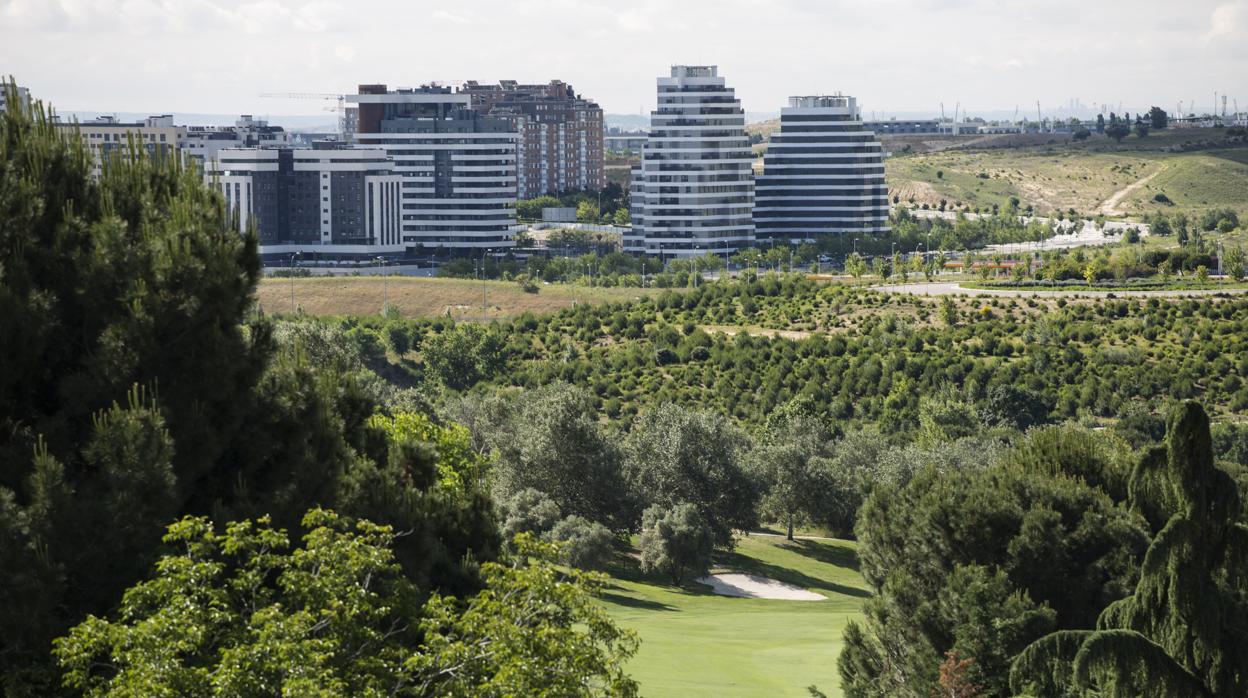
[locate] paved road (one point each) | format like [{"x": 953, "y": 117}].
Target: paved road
[{"x": 947, "y": 288}]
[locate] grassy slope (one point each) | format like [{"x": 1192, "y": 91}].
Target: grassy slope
[
  {"x": 694, "y": 643},
  {"x": 1079, "y": 175},
  {"x": 423, "y": 297},
  {"x": 1197, "y": 181}
]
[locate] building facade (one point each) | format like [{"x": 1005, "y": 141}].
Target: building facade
[
  {"x": 332, "y": 200},
  {"x": 108, "y": 138},
  {"x": 889, "y": 127},
  {"x": 21, "y": 94},
  {"x": 694, "y": 191},
  {"x": 457, "y": 167},
  {"x": 203, "y": 143},
  {"x": 823, "y": 174},
  {"x": 559, "y": 134}
]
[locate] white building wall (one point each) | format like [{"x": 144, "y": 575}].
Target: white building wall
[{"x": 696, "y": 183}]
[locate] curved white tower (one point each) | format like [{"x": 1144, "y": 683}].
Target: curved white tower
[
  {"x": 823, "y": 174},
  {"x": 695, "y": 183}
]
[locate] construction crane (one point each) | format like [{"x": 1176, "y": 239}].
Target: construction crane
[{"x": 338, "y": 108}]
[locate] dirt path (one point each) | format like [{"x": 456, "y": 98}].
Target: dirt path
[{"x": 1110, "y": 206}]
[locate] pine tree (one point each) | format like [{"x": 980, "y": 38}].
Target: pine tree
[{"x": 1182, "y": 633}]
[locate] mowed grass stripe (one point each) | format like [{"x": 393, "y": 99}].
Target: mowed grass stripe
[{"x": 694, "y": 643}]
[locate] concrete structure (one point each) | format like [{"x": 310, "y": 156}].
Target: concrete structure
[
  {"x": 107, "y": 137},
  {"x": 332, "y": 200},
  {"x": 694, "y": 190},
  {"x": 559, "y": 144},
  {"x": 204, "y": 142},
  {"x": 560, "y": 214},
  {"x": 899, "y": 126},
  {"x": 625, "y": 141},
  {"x": 823, "y": 174},
  {"x": 458, "y": 167}
]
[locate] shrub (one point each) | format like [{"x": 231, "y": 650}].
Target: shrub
[
  {"x": 587, "y": 545},
  {"x": 528, "y": 511},
  {"x": 677, "y": 542}
]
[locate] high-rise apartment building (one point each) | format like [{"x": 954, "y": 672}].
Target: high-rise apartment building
[
  {"x": 458, "y": 167},
  {"x": 559, "y": 134},
  {"x": 332, "y": 199},
  {"x": 694, "y": 190},
  {"x": 823, "y": 174}
]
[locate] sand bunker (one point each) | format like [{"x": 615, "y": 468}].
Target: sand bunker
[{"x": 752, "y": 586}]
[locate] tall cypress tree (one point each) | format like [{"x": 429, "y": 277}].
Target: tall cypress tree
[{"x": 1184, "y": 632}]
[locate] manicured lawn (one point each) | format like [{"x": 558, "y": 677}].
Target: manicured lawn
[{"x": 694, "y": 643}]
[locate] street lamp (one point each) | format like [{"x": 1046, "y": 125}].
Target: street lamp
[
  {"x": 292, "y": 281},
  {"x": 483, "y": 286},
  {"x": 385, "y": 284}
]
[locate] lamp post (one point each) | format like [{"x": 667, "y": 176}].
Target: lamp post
[
  {"x": 292, "y": 282},
  {"x": 483, "y": 286},
  {"x": 385, "y": 284}
]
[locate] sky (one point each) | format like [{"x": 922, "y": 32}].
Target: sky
[{"x": 219, "y": 56}]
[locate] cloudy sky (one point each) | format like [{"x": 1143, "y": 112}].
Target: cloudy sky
[{"x": 218, "y": 56}]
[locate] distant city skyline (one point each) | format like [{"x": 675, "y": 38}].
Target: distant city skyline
[{"x": 896, "y": 56}]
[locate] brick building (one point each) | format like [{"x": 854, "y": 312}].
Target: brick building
[{"x": 559, "y": 143}]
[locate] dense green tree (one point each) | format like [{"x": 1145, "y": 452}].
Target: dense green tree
[
  {"x": 532, "y": 631},
  {"x": 675, "y": 540},
  {"x": 675, "y": 455},
  {"x": 1117, "y": 131},
  {"x": 1181, "y": 633},
  {"x": 125, "y": 366},
  {"x": 528, "y": 511},
  {"x": 1158, "y": 118},
  {"x": 790, "y": 461},
  {"x": 551, "y": 441},
  {"x": 241, "y": 613},
  {"x": 584, "y": 544},
  {"x": 463, "y": 355},
  {"x": 1065, "y": 549}
]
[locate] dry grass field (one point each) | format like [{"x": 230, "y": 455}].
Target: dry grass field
[{"x": 423, "y": 297}]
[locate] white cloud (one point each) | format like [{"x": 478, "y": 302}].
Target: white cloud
[{"x": 1225, "y": 20}]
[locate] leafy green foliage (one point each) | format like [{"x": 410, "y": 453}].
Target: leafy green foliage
[
  {"x": 463, "y": 355},
  {"x": 676, "y": 456},
  {"x": 549, "y": 439},
  {"x": 1181, "y": 632},
  {"x": 983, "y": 562},
  {"x": 533, "y": 630},
  {"x": 528, "y": 511},
  {"x": 242, "y": 614},
  {"x": 791, "y": 462},
  {"x": 584, "y": 544},
  {"x": 676, "y": 541}
]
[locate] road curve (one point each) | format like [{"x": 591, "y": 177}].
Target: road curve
[{"x": 950, "y": 288}]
